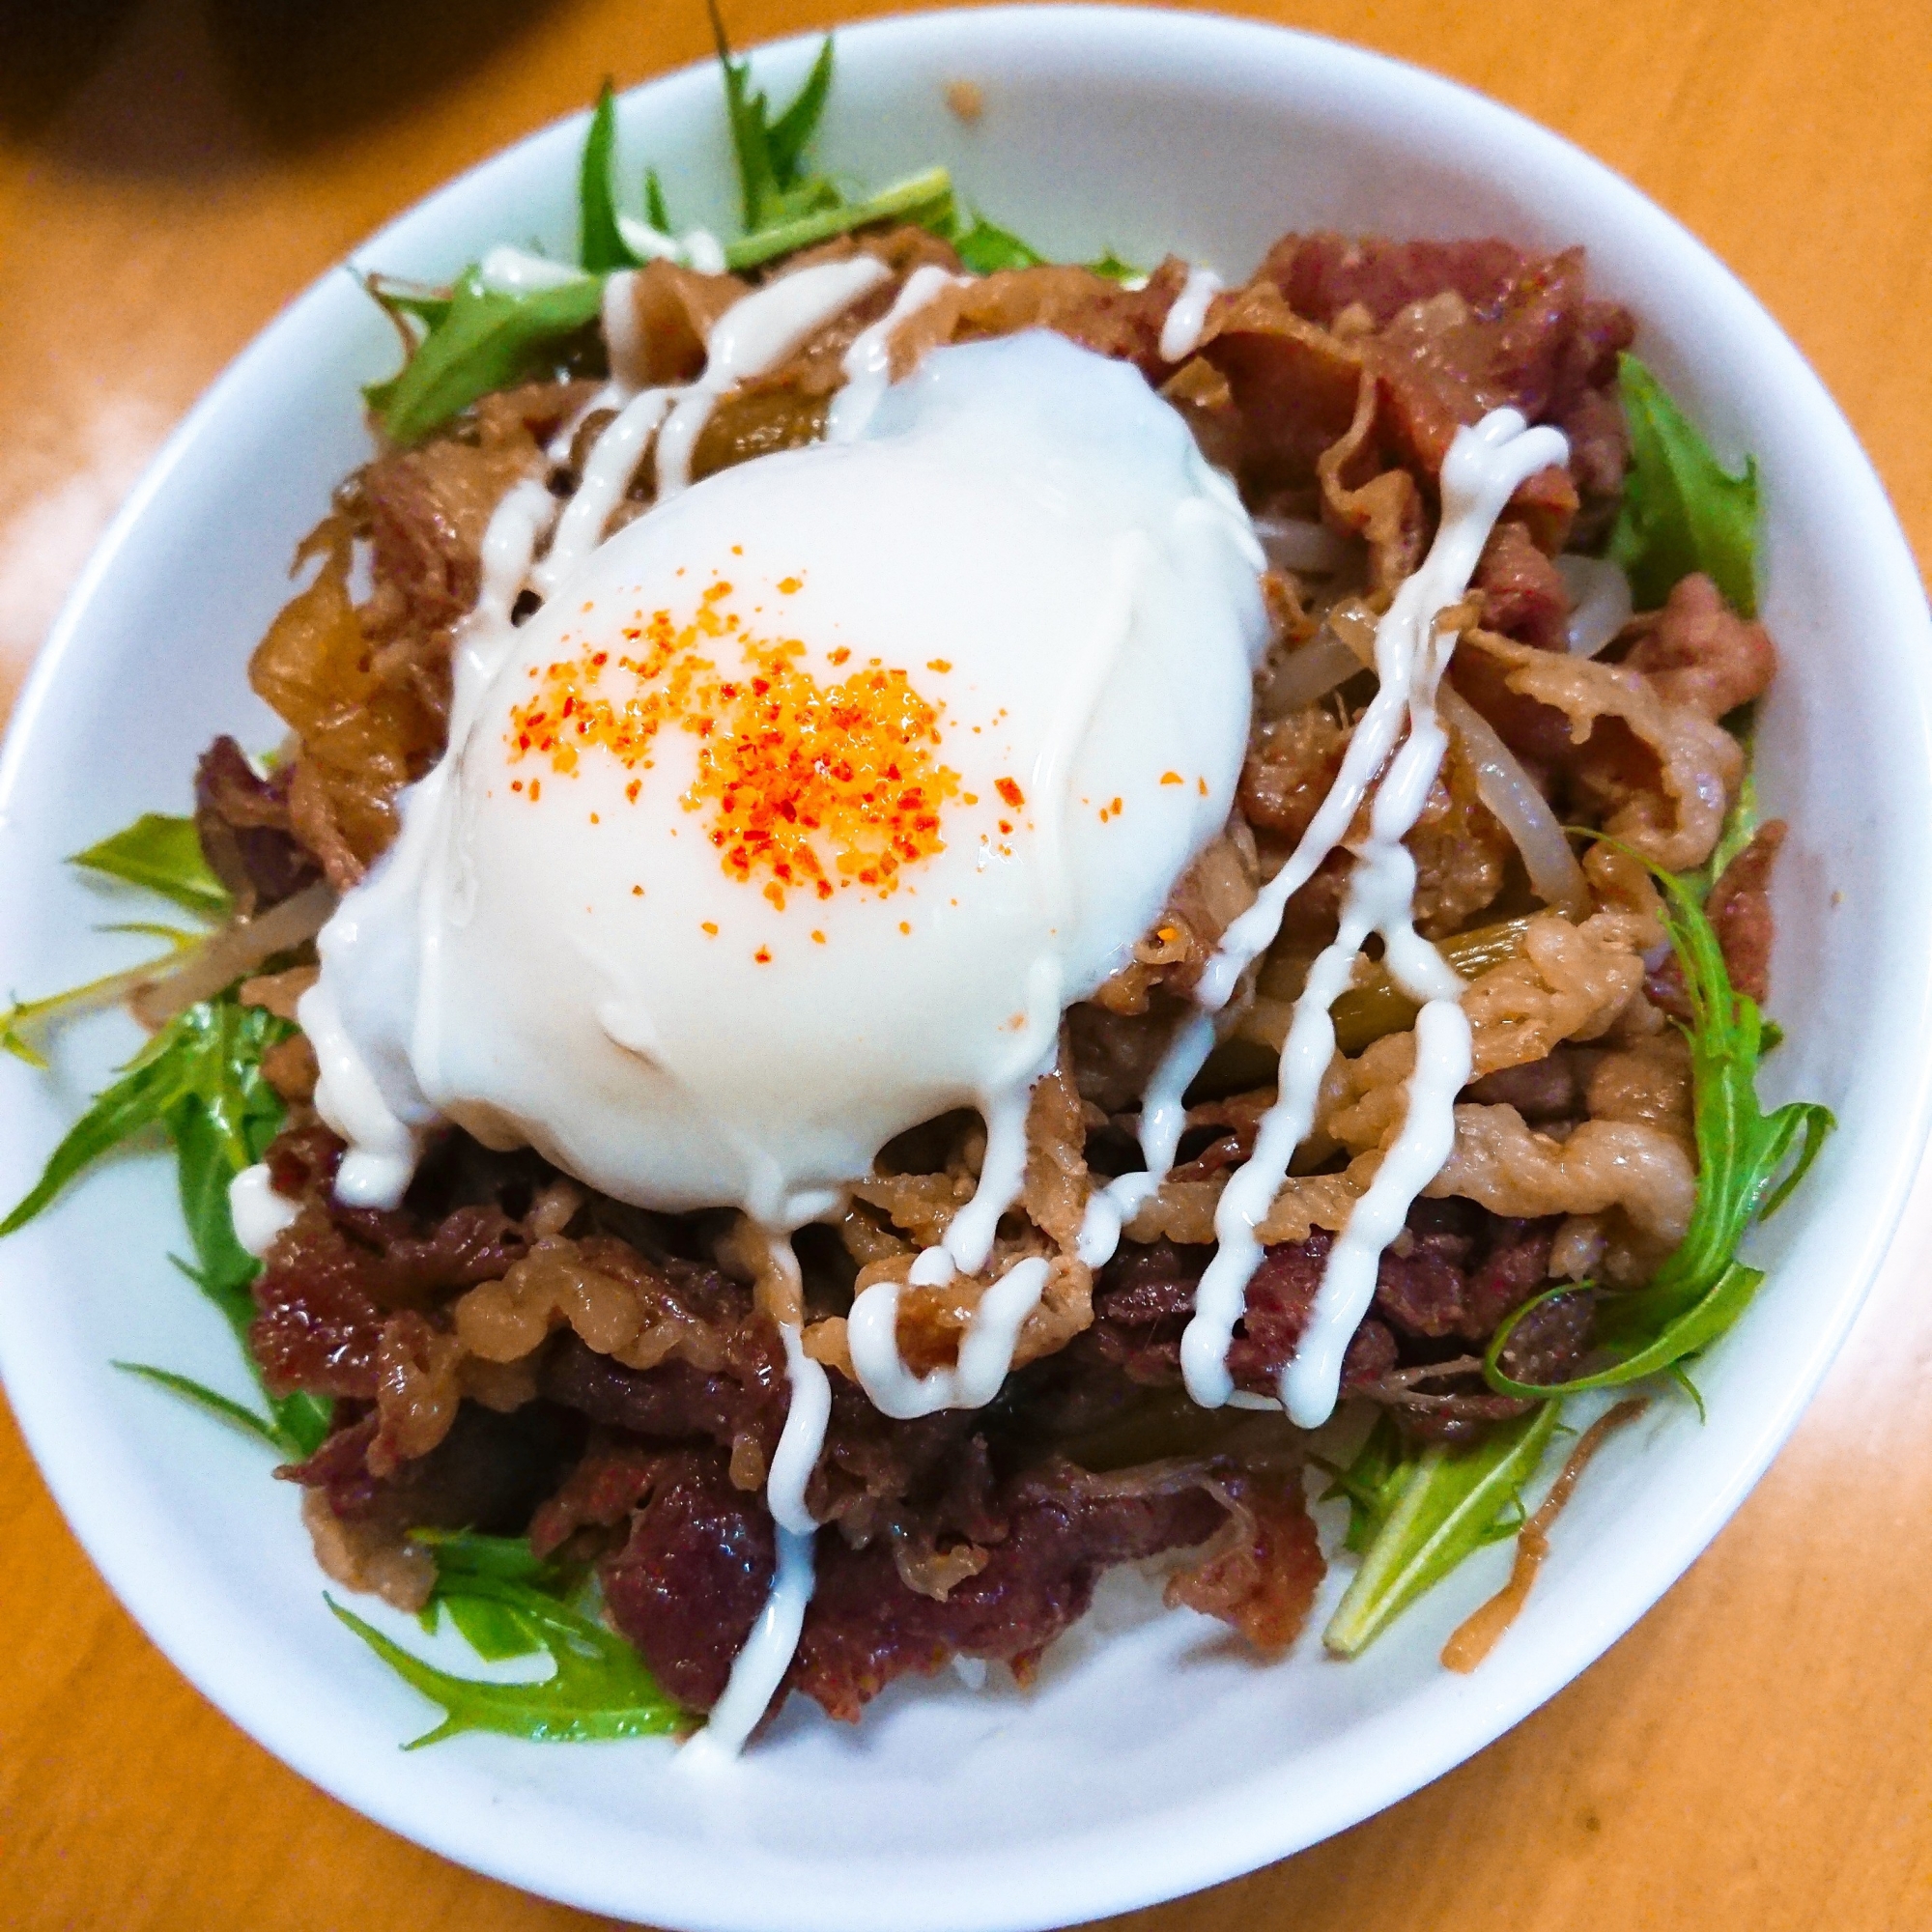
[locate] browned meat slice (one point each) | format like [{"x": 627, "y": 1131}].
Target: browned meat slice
[
  {"x": 1523, "y": 592},
  {"x": 1697, "y": 651},
  {"x": 489, "y": 1473},
  {"x": 1739, "y": 909},
  {"x": 243, "y": 823}
]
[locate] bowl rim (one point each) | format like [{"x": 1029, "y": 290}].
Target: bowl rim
[{"x": 1211, "y": 1848}]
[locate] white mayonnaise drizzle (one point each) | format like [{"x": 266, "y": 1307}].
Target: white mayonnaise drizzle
[
  {"x": 1163, "y": 1121},
  {"x": 696, "y": 248},
  {"x": 748, "y": 339},
  {"x": 1481, "y": 472},
  {"x": 1180, "y": 331},
  {"x": 258, "y": 1212},
  {"x": 868, "y": 366},
  {"x": 516, "y": 271},
  {"x": 985, "y": 1350},
  {"x": 760, "y": 1666},
  {"x": 608, "y": 470},
  {"x": 803, "y": 1437}
]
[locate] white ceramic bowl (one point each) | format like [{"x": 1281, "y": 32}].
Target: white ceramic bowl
[{"x": 1152, "y": 1759}]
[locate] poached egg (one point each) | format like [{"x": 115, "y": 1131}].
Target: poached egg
[{"x": 810, "y": 799}]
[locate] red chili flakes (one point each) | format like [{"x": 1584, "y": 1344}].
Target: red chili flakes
[
  {"x": 637, "y": 891},
  {"x": 763, "y": 956},
  {"x": 805, "y": 785},
  {"x": 839, "y": 657},
  {"x": 1011, "y": 793}
]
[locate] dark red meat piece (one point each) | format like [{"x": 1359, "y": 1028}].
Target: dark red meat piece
[{"x": 243, "y": 823}]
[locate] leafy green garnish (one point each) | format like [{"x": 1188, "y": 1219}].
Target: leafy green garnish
[
  {"x": 1416, "y": 1514},
  {"x": 1702, "y": 1288},
  {"x": 1740, "y": 828},
  {"x": 164, "y": 854},
  {"x": 657, "y": 211},
  {"x": 774, "y": 188},
  {"x": 601, "y": 245},
  {"x": 24, "y": 1017},
  {"x": 464, "y": 1555},
  {"x": 1114, "y": 269},
  {"x": 224, "y": 1407},
  {"x": 984, "y": 248},
  {"x": 597, "y": 1686},
  {"x": 924, "y": 199},
  {"x": 199, "y": 1080},
  {"x": 1682, "y": 511},
  {"x": 486, "y": 340}
]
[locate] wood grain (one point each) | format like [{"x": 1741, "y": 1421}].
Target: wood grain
[{"x": 1756, "y": 1755}]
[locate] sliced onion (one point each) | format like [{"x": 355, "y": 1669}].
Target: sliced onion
[
  {"x": 1600, "y": 602},
  {"x": 1303, "y": 675},
  {"x": 1294, "y": 542},
  {"x": 1522, "y": 812},
  {"x": 226, "y": 955}
]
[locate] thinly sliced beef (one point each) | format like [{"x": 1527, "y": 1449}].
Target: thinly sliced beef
[
  {"x": 1739, "y": 909},
  {"x": 865, "y": 1628},
  {"x": 689, "y": 1583},
  {"x": 1457, "y": 1272},
  {"x": 1523, "y": 594},
  {"x": 243, "y": 822},
  {"x": 1453, "y": 330},
  {"x": 488, "y": 1473},
  {"x": 1699, "y": 652}
]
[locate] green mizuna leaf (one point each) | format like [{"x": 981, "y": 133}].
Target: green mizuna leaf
[
  {"x": 1428, "y": 1511},
  {"x": 406, "y": 302},
  {"x": 463, "y": 1557},
  {"x": 773, "y": 186},
  {"x": 215, "y": 1404},
  {"x": 657, "y": 211},
  {"x": 1114, "y": 269},
  {"x": 24, "y": 1019},
  {"x": 601, "y": 245},
  {"x": 925, "y": 199},
  {"x": 597, "y": 1688},
  {"x": 1371, "y": 1484},
  {"x": 1682, "y": 511},
  {"x": 985, "y": 248},
  {"x": 486, "y": 340},
  {"x": 1747, "y": 1161},
  {"x": 199, "y": 1081},
  {"x": 164, "y": 854}
]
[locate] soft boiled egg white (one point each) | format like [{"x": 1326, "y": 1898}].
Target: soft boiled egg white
[{"x": 799, "y": 813}]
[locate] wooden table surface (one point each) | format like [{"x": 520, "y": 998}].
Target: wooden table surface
[{"x": 1759, "y": 1752}]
